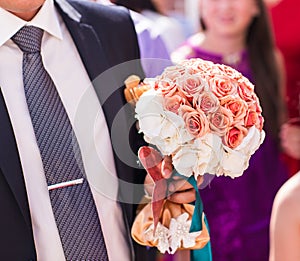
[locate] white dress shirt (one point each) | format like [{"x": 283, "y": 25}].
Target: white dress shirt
[{"x": 65, "y": 67}]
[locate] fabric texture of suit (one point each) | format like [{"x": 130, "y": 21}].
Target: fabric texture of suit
[{"x": 104, "y": 37}]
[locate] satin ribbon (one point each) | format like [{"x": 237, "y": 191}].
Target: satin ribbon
[{"x": 203, "y": 254}]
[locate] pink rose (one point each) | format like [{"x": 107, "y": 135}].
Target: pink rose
[
  {"x": 230, "y": 72},
  {"x": 203, "y": 65},
  {"x": 260, "y": 123},
  {"x": 254, "y": 117},
  {"x": 192, "y": 70},
  {"x": 251, "y": 105},
  {"x": 220, "y": 121},
  {"x": 254, "y": 106},
  {"x": 174, "y": 102},
  {"x": 245, "y": 89},
  {"x": 237, "y": 106},
  {"x": 209, "y": 72},
  {"x": 235, "y": 136},
  {"x": 188, "y": 62},
  {"x": 251, "y": 118},
  {"x": 256, "y": 103},
  {"x": 172, "y": 73},
  {"x": 167, "y": 87},
  {"x": 207, "y": 102},
  {"x": 190, "y": 85},
  {"x": 222, "y": 86},
  {"x": 195, "y": 121}
]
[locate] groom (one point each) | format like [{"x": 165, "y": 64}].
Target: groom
[
  {"x": 80, "y": 42},
  {"x": 85, "y": 49}
]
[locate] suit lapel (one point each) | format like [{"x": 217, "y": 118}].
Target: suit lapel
[
  {"x": 10, "y": 164},
  {"x": 91, "y": 51},
  {"x": 97, "y": 66},
  {"x": 88, "y": 46}
]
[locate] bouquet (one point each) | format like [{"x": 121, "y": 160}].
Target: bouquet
[{"x": 205, "y": 116}]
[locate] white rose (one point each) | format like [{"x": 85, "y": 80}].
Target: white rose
[
  {"x": 162, "y": 128},
  {"x": 172, "y": 134},
  {"x": 209, "y": 154},
  {"x": 184, "y": 160},
  {"x": 233, "y": 163},
  {"x": 199, "y": 157},
  {"x": 213, "y": 143},
  {"x": 251, "y": 142},
  {"x": 149, "y": 112}
]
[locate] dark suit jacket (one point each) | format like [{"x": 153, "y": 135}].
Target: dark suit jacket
[{"x": 104, "y": 37}]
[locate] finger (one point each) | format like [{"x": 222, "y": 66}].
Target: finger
[
  {"x": 177, "y": 178},
  {"x": 166, "y": 167},
  {"x": 179, "y": 185},
  {"x": 183, "y": 197},
  {"x": 148, "y": 180},
  {"x": 148, "y": 185}
]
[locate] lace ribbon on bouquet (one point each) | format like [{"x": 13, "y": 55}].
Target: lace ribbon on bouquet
[{"x": 167, "y": 225}]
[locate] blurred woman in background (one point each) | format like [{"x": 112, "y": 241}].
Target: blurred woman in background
[
  {"x": 167, "y": 27},
  {"x": 237, "y": 33}
]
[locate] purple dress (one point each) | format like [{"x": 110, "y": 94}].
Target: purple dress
[{"x": 238, "y": 210}]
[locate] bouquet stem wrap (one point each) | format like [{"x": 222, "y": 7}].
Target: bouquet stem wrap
[{"x": 167, "y": 225}]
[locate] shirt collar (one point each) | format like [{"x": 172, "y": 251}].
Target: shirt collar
[{"x": 46, "y": 19}]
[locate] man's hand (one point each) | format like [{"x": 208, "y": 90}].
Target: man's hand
[{"x": 179, "y": 189}]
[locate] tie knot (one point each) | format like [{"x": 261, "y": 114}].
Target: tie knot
[{"x": 29, "y": 39}]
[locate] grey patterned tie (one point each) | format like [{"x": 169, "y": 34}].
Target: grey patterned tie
[{"x": 73, "y": 207}]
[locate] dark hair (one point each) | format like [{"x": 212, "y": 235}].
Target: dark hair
[
  {"x": 137, "y": 5},
  {"x": 264, "y": 66}
]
